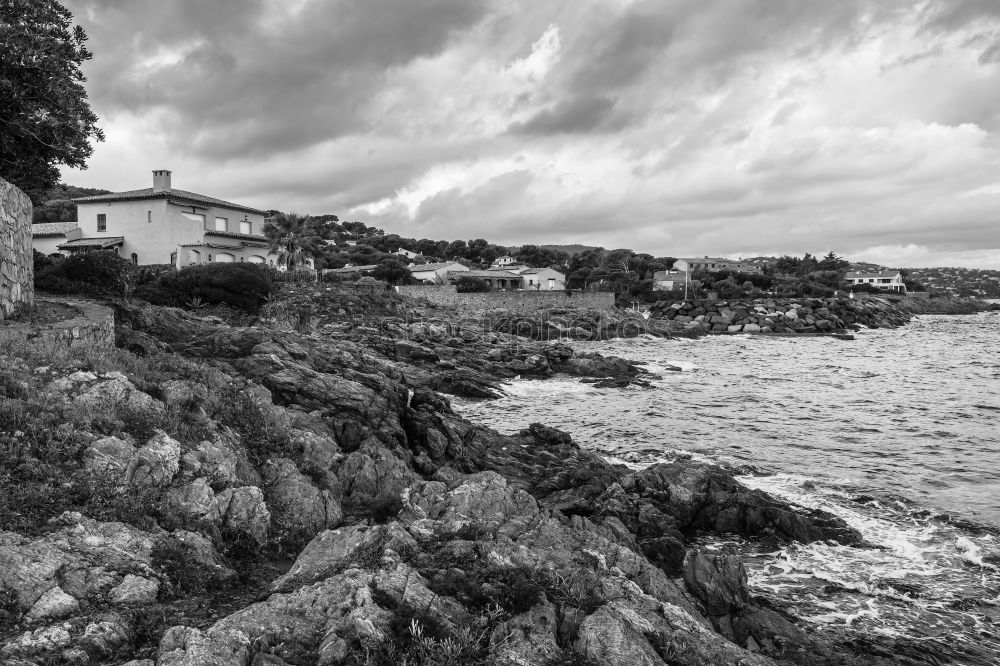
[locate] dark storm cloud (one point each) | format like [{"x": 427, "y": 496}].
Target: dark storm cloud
[
  {"x": 252, "y": 81},
  {"x": 581, "y": 114}
]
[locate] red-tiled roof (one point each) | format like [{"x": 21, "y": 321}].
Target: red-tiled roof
[
  {"x": 233, "y": 234},
  {"x": 103, "y": 243},
  {"x": 180, "y": 196},
  {"x": 870, "y": 274},
  {"x": 431, "y": 267},
  {"x": 47, "y": 229},
  {"x": 492, "y": 274}
]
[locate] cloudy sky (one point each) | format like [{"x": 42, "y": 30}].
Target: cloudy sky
[{"x": 676, "y": 127}]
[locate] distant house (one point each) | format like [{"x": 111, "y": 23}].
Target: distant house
[
  {"x": 542, "y": 279},
  {"x": 497, "y": 279},
  {"x": 48, "y": 236},
  {"x": 669, "y": 280},
  {"x": 505, "y": 260},
  {"x": 352, "y": 270},
  {"x": 406, "y": 253},
  {"x": 512, "y": 268},
  {"x": 160, "y": 225},
  {"x": 693, "y": 264},
  {"x": 886, "y": 279},
  {"x": 435, "y": 272}
]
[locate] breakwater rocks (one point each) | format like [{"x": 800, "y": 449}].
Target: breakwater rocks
[{"x": 787, "y": 316}]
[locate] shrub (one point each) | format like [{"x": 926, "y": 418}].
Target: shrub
[
  {"x": 244, "y": 286},
  {"x": 471, "y": 285},
  {"x": 150, "y": 272},
  {"x": 40, "y": 261},
  {"x": 98, "y": 273}
]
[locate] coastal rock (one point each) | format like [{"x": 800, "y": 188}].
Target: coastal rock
[
  {"x": 134, "y": 590},
  {"x": 156, "y": 462},
  {"x": 108, "y": 457},
  {"x": 53, "y": 604},
  {"x": 297, "y": 505}
]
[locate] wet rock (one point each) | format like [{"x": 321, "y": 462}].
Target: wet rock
[
  {"x": 156, "y": 462},
  {"x": 718, "y": 581}
]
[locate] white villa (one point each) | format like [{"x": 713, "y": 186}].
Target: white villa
[
  {"x": 160, "y": 224},
  {"x": 534, "y": 279},
  {"x": 435, "y": 272},
  {"x": 692, "y": 264},
  {"x": 887, "y": 279}
]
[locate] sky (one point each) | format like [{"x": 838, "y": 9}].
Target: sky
[{"x": 731, "y": 128}]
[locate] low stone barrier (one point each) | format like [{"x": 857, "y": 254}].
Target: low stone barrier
[
  {"x": 521, "y": 300},
  {"x": 94, "y": 327}
]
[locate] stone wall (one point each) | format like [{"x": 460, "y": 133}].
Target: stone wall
[
  {"x": 93, "y": 327},
  {"x": 522, "y": 301},
  {"x": 16, "y": 280}
]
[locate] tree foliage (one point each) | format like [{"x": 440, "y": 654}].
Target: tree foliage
[
  {"x": 292, "y": 239},
  {"x": 45, "y": 117}
]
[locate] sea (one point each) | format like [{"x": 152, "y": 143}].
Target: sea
[{"x": 897, "y": 432}]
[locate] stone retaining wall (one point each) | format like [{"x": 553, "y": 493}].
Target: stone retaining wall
[
  {"x": 522, "y": 301},
  {"x": 16, "y": 279},
  {"x": 94, "y": 327}
]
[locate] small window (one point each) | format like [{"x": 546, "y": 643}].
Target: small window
[
  {"x": 135, "y": 259},
  {"x": 149, "y": 216},
  {"x": 102, "y": 222},
  {"x": 221, "y": 224},
  {"x": 246, "y": 227}
]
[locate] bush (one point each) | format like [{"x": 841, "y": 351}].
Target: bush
[
  {"x": 244, "y": 286},
  {"x": 98, "y": 273},
  {"x": 41, "y": 261},
  {"x": 471, "y": 285}
]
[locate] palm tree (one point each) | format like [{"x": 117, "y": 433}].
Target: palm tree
[{"x": 291, "y": 239}]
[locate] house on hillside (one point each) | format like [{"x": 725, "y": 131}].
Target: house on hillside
[
  {"x": 364, "y": 269},
  {"x": 512, "y": 268},
  {"x": 712, "y": 264},
  {"x": 505, "y": 260},
  {"x": 161, "y": 224},
  {"x": 669, "y": 280},
  {"x": 406, "y": 253},
  {"x": 542, "y": 279},
  {"x": 500, "y": 280},
  {"x": 46, "y": 237},
  {"x": 435, "y": 273},
  {"x": 883, "y": 279}
]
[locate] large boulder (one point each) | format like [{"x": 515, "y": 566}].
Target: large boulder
[
  {"x": 296, "y": 504},
  {"x": 156, "y": 462}
]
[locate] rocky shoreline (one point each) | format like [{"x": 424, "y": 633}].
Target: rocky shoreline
[{"x": 299, "y": 491}]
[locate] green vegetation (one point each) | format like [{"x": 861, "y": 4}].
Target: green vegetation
[
  {"x": 240, "y": 285},
  {"x": 472, "y": 285},
  {"x": 95, "y": 273},
  {"x": 45, "y": 118}
]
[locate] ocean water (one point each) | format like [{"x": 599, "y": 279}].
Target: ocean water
[{"x": 897, "y": 432}]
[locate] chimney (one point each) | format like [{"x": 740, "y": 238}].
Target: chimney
[{"x": 161, "y": 180}]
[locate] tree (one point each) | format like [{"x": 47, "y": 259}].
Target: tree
[
  {"x": 393, "y": 271},
  {"x": 291, "y": 239},
  {"x": 45, "y": 118}
]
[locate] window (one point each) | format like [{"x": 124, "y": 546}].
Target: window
[
  {"x": 149, "y": 216},
  {"x": 221, "y": 224},
  {"x": 246, "y": 227},
  {"x": 102, "y": 222},
  {"x": 135, "y": 259}
]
